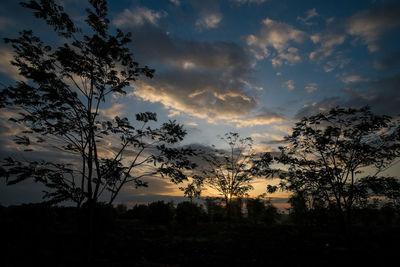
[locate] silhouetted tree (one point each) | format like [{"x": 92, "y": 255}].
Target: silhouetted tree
[
  {"x": 271, "y": 214},
  {"x": 260, "y": 210},
  {"x": 192, "y": 189},
  {"x": 214, "y": 209},
  {"x": 160, "y": 212},
  {"x": 376, "y": 188},
  {"x": 255, "y": 209},
  {"x": 298, "y": 208},
  {"x": 231, "y": 172},
  {"x": 328, "y": 153},
  {"x": 138, "y": 212},
  {"x": 189, "y": 213},
  {"x": 61, "y": 103}
]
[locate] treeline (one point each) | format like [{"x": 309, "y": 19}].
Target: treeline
[
  {"x": 255, "y": 211},
  {"x": 212, "y": 211},
  {"x": 187, "y": 213},
  {"x": 188, "y": 234}
]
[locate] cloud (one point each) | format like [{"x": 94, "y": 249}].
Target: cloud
[
  {"x": 249, "y": 1},
  {"x": 390, "y": 61},
  {"x": 381, "y": 95},
  {"x": 318, "y": 107},
  {"x": 370, "y": 25},
  {"x": 7, "y": 56},
  {"x": 353, "y": 79},
  {"x": 328, "y": 41},
  {"x": 175, "y": 2},
  {"x": 209, "y": 15},
  {"x": 209, "y": 21},
  {"x": 261, "y": 119},
  {"x": 274, "y": 142},
  {"x": 290, "y": 85},
  {"x": 198, "y": 94},
  {"x": 138, "y": 17},
  {"x": 311, "y": 87},
  {"x": 8, "y": 130},
  {"x": 157, "y": 186},
  {"x": 278, "y": 37},
  {"x": 274, "y": 137},
  {"x": 191, "y": 123},
  {"x": 367, "y": 27},
  {"x": 283, "y": 128},
  {"x": 5, "y": 23},
  {"x": 153, "y": 46},
  {"x": 310, "y": 14},
  {"x": 44, "y": 151},
  {"x": 208, "y": 80},
  {"x": 275, "y": 34},
  {"x": 336, "y": 61},
  {"x": 116, "y": 109}
]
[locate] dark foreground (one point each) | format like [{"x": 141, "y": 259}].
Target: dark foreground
[{"x": 35, "y": 235}]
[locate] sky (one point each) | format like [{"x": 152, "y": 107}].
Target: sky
[{"x": 249, "y": 66}]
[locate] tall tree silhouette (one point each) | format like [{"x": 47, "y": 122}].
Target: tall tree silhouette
[
  {"x": 231, "y": 171},
  {"x": 61, "y": 104},
  {"x": 333, "y": 155}
]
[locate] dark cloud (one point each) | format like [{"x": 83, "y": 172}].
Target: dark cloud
[
  {"x": 370, "y": 25},
  {"x": 210, "y": 80},
  {"x": 273, "y": 142},
  {"x": 205, "y": 5},
  {"x": 154, "y": 46},
  {"x": 24, "y": 192},
  {"x": 388, "y": 62},
  {"x": 249, "y": 1},
  {"x": 381, "y": 95},
  {"x": 366, "y": 27},
  {"x": 266, "y": 117},
  {"x": 318, "y": 107}
]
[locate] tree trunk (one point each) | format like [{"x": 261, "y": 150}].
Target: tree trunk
[
  {"x": 228, "y": 202},
  {"x": 91, "y": 206}
]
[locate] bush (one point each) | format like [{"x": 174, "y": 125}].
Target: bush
[
  {"x": 189, "y": 213},
  {"x": 260, "y": 211},
  {"x": 160, "y": 212},
  {"x": 215, "y": 211}
]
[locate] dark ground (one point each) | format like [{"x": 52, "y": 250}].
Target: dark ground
[{"x": 35, "y": 235}]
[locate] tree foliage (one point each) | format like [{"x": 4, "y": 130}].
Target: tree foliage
[
  {"x": 337, "y": 157},
  {"x": 61, "y": 105},
  {"x": 230, "y": 171}
]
